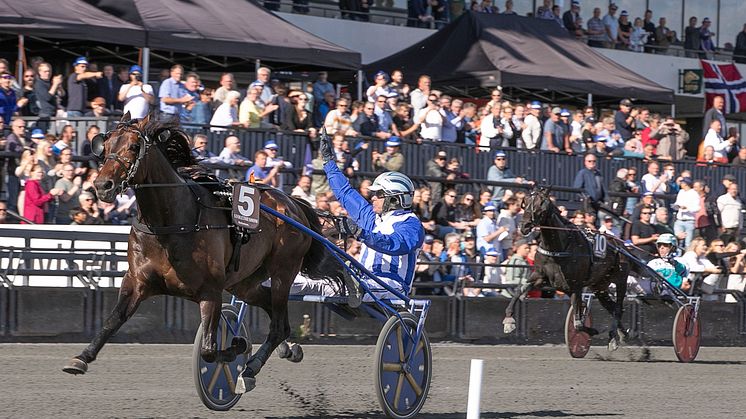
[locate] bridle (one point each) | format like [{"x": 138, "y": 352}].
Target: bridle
[{"x": 529, "y": 207}]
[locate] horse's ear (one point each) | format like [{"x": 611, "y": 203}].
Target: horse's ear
[{"x": 126, "y": 117}]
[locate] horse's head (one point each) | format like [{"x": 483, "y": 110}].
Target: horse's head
[
  {"x": 122, "y": 151},
  {"x": 536, "y": 209}
]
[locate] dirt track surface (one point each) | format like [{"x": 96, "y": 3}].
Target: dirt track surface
[{"x": 137, "y": 381}]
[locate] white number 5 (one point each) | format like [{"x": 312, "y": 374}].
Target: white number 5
[{"x": 245, "y": 203}]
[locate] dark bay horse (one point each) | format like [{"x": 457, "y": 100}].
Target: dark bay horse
[
  {"x": 182, "y": 245},
  {"x": 566, "y": 260}
]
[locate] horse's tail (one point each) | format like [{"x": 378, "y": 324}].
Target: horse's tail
[{"x": 319, "y": 262}]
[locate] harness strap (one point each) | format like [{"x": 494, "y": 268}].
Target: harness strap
[
  {"x": 553, "y": 254},
  {"x": 176, "y": 229}
]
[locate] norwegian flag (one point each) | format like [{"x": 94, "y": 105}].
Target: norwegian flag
[{"x": 724, "y": 80}]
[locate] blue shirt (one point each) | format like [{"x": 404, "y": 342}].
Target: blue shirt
[
  {"x": 7, "y": 105},
  {"x": 173, "y": 89},
  {"x": 187, "y": 116},
  {"x": 390, "y": 242},
  {"x": 259, "y": 173}
]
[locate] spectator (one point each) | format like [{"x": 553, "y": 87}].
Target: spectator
[
  {"x": 77, "y": 87},
  {"x": 425, "y": 271},
  {"x": 553, "y": 132},
  {"x": 507, "y": 222},
  {"x": 15, "y": 142},
  {"x": 252, "y": 110},
  {"x": 404, "y": 125},
  {"x": 596, "y": 30},
  {"x": 98, "y": 108},
  {"x": 671, "y": 270},
  {"x": 739, "y": 52},
  {"x": 4, "y": 213},
  {"x": 298, "y": 118},
  {"x": 638, "y": 37},
  {"x": 517, "y": 272},
  {"x": 88, "y": 203},
  {"x": 202, "y": 110},
  {"x": 367, "y": 123},
  {"x": 608, "y": 227},
  {"x": 611, "y": 27},
  {"x": 619, "y": 185},
  {"x": 262, "y": 79},
  {"x": 338, "y": 120},
  {"x": 31, "y": 106},
  {"x": 274, "y": 160},
  {"x": 191, "y": 86},
  {"x": 624, "y": 119},
  {"x": 136, "y": 95},
  {"x": 661, "y": 224},
  {"x": 467, "y": 254},
  {"x": 420, "y": 96},
  {"x": 571, "y": 16},
  {"x": 453, "y": 120},
  {"x": 649, "y": 27},
  {"x": 672, "y": 140},
  {"x": 430, "y": 120},
  {"x": 707, "y": 219},
  {"x": 488, "y": 230},
  {"x": 740, "y": 159},
  {"x": 705, "y": 38},
  {"x": 720, "y": 145},
  {"x": 260, "y": 172},
  {"x": 643, "y": 234},
  {"x": 664, "y": 36},
  {"x": 230, "y": 156},
  {"x": 172, "y": 94},
  {"x": 48, "y": 91},
  {"x": 303, "y": 190},
  {"x": 444, "y": 214},
  {"x": 692, "y": 40},
  {"x": 715, "y": 113},
  {"x": 379, "y": 88},
  {"x": 69, "y": 187},
  {"x": 226, "y": 115},
  {"x": 437, "y": 168},
  {"x": 397, "y": 85},
  {"x": 653, "y": 181},
  {"x": 695, "y": 259},
  {"x": 590, "y": 180},
  {"x": 545, "y": 11},
  {"x": 390, "y": 161},
  {"x": 9, "y": 104},
  {"x": 531, "y": 133},
  {"x": 737, "y": 275},
  {"x": 108, "y": 87},
  {"x": 625, "y": 31},
  {"x": 500, "y": 172},
  {"x": 227, "y": 84},
  {"x": 36, "y": 198},
  {"x": 200, "y": 150},
  {"x": 687, "y": 206},
  {"x": 730, "y": 207}
]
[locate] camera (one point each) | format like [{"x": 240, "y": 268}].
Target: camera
[{"x": 138, "y": 76}]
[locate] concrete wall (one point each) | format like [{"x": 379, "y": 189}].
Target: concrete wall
[{"x": 33, "y": 314}]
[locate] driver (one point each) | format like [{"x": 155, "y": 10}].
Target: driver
[
  {"x": 390, "y": 233},
  {"x": 670, "y": 269}
]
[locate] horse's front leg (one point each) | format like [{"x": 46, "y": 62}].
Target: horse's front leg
[
  {"x": 576, "y": 299},
  {"x": 209, "y": 311},
  {"x": 534, "y": 281},
  {"x": 131, "y": 294}
]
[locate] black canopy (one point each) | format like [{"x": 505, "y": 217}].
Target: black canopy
[
  {"x": 234, "y": 28},
  {"x": 486, "y": 50}
]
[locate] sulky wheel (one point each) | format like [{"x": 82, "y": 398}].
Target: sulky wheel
[
  {"x": 216, "y": 382},
  {"x": 578, "y": 343},
  {"x": 402, "y": 383},
  {"x": 686, "y": 333}
]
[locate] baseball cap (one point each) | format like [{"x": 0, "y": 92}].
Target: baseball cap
[
  {"x": 565, "y": 112},
  {"x": 37, "y": 133},
  {"x": 468, "y": 234},
  {"x": 687, "y": 180},
  {"x": 535, "y": 105},
  {"x": 647, "y": 194},
  {"x": 80, "y": 60},
  {"x": 429, "y": 238},
  {"x": 608, "y": 218},
  {"x": 383, "y": 74},
  {"x": 706, "y": 20},
  {"x": 590, "y": 120},
  {"x": 442, "y": 154},
  {"x": 489, "y": 207},
  {"x": 135, "y": 69},
  {"x": 624, "y": 13},
  {"x": 393, "y": 142},
  {"x": 575, "y": 3},
  {"x": 256, "y": 84},
  {"x": 729, "y": 177},
  {"x": 556, "y": 110},
  {"x": 271, "y": 144},
  {"x": 625, "y": 102},
  {"x": 499, "y": 154},
  {"x": 613, "y": 6},
  {"x": 492, "y": 252},
  {"x": 600, "y": 139}
]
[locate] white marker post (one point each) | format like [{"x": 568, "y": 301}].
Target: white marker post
[{"x": 475, "y": 389}]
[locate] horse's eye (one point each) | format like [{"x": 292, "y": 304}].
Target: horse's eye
[{"x": 133, "y": 148}]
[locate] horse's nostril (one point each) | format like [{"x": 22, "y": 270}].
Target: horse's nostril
[{"x": 108, "y": 185}]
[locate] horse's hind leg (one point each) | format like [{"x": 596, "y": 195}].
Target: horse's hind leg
[
  {"x": 576, "y": 299},
  {"x": 130, "y": 297},
  {"x": 534, "y": 281}
]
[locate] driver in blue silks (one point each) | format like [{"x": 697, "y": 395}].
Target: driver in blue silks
[{"x": 390, "y": 233}]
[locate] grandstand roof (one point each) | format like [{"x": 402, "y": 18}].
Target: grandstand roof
[
  {"x": 233, "y": 28},
  {"x": 486, "y": 50}
]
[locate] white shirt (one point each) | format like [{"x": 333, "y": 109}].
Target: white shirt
[
  {"x": 134, "y": 102},
  {"x": 487, "y": 127},
  {"x": 721, "y": 146},
  {"x": 225, "y": 115},
  {"x": 337, "y": 121},
  {"x": 532, "y": 133},
  {"x": 432, "y": 127},
  {"x": 507, "y": 219},
  {"x": 730, "y": 211},
  {"x": 485, "y": 227},
  {"x": 690, "y": 201},
  {"x": 651, "y": 181}
]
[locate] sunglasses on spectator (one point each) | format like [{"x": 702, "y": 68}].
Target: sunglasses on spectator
[
  {"x": 451, "y": 196},
  {"x": 342, "y": 105},
  {"x": 7, "y": 77},
  {"x": 303, "y": 99},
  {"x": 468, "y": 199},
  {"x": 646, "y": 212}
]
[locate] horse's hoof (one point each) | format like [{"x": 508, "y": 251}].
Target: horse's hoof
[
  {"x": 613, "y": 345},
  {"x": 509, "y": 325},
  {"x": 76, "y": 366},
  {"x": 297, "y": 354},
  {"x": 283, "y": 350},
  {"x": 245, "y": 384}
]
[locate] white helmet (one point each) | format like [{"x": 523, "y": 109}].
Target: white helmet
[
  {"x": 394, "y": 185},
  {"x": 667, "y": 238}
]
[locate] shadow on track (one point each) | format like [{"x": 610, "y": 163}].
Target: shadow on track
[{"x": 459, "y": 415}]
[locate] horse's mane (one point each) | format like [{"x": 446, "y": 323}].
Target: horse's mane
[{"x": 176, "y": 147}]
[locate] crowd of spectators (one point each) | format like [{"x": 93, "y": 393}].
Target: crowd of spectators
[{"x": 464, "y": 222}]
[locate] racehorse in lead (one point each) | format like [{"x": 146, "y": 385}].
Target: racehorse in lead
[
  {"x": 570, "y": 260},
  {"x": 183, "y": 243}
]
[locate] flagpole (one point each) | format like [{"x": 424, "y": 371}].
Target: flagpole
[{"x": 673, "y": 110}]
